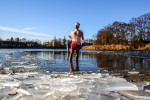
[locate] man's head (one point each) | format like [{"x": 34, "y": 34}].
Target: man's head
[{"x": 77, "y": 25}]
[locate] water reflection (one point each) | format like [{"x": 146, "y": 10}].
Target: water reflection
[
  {"x": 88, "y": 61},
  {"x": 59, "y": 61},
  {"x": 113, "y": 61},
  {"x": 72, "y": 67}
]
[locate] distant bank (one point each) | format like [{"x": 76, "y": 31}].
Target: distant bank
[{"x": 115, "y": 47}]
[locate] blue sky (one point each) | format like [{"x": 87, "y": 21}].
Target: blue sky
[{"x": 44, "y": 19}]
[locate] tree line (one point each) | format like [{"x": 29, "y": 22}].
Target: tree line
[
  {"x": 135, "y": 33},
  {"x": 55, "y": 43},
  {"x": 24, "y": 43}
]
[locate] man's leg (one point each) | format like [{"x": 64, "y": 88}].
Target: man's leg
[
  {"x": 71, "y": 54},
  {"x": 77, "y": 66},
  {"x": 71, "y": 66},
  {"x": 77, "y": 54},
  {"x": 70, "y": 60},
  {"x": 77, "y": 62}
]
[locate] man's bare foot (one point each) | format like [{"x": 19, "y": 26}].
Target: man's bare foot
[
  {"x": 77, "y": 69},
  {"x": 71, "y": 69}
]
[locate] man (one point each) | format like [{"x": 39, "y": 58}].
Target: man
[{"x": 76, "y": 36}]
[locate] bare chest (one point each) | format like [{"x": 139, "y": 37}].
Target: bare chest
[{"x": 77, "y": 33}]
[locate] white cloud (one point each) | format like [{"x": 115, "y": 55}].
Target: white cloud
[
  {"x": 29, "y": 28},
  {"x": 23, "y": 31}
]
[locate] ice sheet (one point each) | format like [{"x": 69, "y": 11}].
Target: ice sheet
[{"x": 65, "y": 86}]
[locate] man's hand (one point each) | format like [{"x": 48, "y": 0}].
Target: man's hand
[
  {"x": 70, "y": 37},
  {"x": 83, "y": 41}
]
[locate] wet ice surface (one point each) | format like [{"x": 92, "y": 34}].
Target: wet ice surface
[
  {"x": 68, "y": 86},
  {"x": 22, "y": 78}
]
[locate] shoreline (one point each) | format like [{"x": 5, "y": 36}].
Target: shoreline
[
  {"x": 115, "y": 47},
  {"x": 132, "y": 75}
]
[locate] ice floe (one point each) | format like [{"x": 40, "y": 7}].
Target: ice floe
[{"x": 66, "y": 86}]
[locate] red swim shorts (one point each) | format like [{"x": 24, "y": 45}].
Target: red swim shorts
[{"x": 75, "y": 46}]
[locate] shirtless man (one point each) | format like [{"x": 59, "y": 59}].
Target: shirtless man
[{"x": 76, "y": 36}]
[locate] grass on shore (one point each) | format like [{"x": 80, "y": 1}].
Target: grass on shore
[
  {"x": 115, "y": 47},
  {"x": 146, "y": 47}
]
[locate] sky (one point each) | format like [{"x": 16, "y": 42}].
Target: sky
[{"x": 44, "y": 19}]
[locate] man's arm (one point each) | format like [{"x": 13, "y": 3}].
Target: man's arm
[
  {"x": 83, "y": 37},
  {"x": 71, "y": 35}
]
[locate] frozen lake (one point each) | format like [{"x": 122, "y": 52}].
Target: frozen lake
[
  {"x": 89, "y": 60},
  {"x": 21, "y": 77}
]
